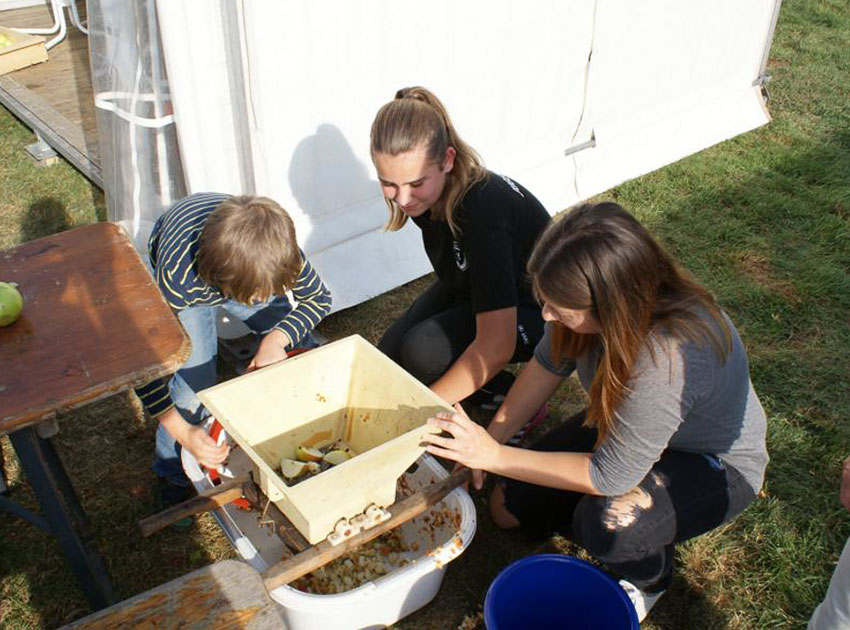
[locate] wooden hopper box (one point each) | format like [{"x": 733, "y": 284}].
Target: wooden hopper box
[{"x": 345, "y": 390}]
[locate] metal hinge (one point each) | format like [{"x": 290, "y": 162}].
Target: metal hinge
[{"x": 346, "y": 528}]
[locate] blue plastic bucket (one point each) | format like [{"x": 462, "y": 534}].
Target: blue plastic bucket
[{"x": 550, "y": 591}]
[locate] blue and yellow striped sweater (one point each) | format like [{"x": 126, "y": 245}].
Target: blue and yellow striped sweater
[{"x": 173, "y": 252}]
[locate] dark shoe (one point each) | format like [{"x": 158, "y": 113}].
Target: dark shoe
[
  {"x": 240, "y": 350},
  {"x": 520, "y": 436},
  {"x": 492, "y": 394},
  {"x": 170, "y": 494}
]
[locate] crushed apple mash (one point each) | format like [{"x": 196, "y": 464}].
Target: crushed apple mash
[{"x": 359, "y": 566}]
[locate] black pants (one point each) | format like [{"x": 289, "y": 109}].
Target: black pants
[
  {"x": 437, "y": 328},
  {"x": 684, "y": 495}
]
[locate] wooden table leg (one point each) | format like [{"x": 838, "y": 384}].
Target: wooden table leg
[{"x": 63, "y": 513}]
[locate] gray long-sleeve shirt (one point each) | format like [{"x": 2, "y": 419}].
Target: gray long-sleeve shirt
[{"x": 687, "y": 399}]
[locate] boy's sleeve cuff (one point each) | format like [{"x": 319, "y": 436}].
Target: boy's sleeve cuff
[
  {"x": 159, "y": 414},
  {"x": 291, "y": 332}
]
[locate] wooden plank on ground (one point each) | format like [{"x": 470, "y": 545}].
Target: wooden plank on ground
[
  {"x": 227, "y": 595},
  {"x": 19, "y": 50},
  {"x": 60, "y": 133},
  {"x": 56, "y": 98}
]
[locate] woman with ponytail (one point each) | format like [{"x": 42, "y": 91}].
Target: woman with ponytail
[
  {"x": 672, "y": 443},
  {"x": 478, "y": 229}
]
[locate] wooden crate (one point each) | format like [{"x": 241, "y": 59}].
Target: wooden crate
[
  {"x": 345, "y": 390},
  {"x": 22, "y": 50}
]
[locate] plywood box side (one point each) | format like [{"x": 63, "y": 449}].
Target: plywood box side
[
  {"x": 384, "y": 400},
  {"x": 394, "y": 457},
  {"x": 277, "y": 399},
  {"x": 371, "y": 428},
  {"x": 321, "y": 430},
  {"x": 347, "y": 490},
  {"x": 387, "y": 380}
]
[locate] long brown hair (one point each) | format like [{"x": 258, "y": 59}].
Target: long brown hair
[
  {"x": 601, "y": 258},
  {"x": 247, "y": 248},
  {"x": 417, "y": 118}
]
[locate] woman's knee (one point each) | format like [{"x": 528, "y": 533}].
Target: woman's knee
[
  {"x": 426, "y": 352},
  {"x": 612, "y": 528},
  {"x": 499, "y": 512}
]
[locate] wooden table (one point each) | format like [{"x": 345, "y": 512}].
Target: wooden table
[{"x": 93, "y": 325}]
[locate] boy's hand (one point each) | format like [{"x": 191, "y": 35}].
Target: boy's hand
[
  {"x": 272, "y": 349},
  {"x": 194, "y": 438},
  {"x": 844, "y": 493},
  {"x": 204, "y": 448}
]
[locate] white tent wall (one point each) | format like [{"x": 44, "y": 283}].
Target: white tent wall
[
  {"x": 314, "y": 75},
  {"x": 667, "y": 79},
  {"x": 569, "y": 98}
]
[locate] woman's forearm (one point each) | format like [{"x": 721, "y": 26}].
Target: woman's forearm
[
  {"x": 564, "y": 471},
  {"x": 534, "y": 386},
  {"x": 468, "y": 374},
  {"x": 489, "y": 352},
  {"x": 471, "y": 445}
]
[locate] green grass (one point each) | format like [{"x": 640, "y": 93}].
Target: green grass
[{"x": 763, "y": 220}]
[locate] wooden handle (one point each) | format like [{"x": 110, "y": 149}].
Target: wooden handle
[
  {"x": 321, "y": 553},
  {"x": 207, "y": 500}
]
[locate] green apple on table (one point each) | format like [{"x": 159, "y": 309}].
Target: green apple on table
[{"x": 11, "y": 303}]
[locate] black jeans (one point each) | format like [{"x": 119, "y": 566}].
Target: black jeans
[
  {"x": 683, "y": 495},
  {"x": 438, "y": 327}
]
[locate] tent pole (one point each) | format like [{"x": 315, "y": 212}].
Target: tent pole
[{"x": 763, "y": 77}]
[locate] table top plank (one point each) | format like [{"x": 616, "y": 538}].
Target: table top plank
[
  {"x": 93, "y": 324},
  {"x": 227, "y": 595}
]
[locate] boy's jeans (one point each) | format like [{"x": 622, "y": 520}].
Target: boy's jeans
[{"x": 199, "y": 370}]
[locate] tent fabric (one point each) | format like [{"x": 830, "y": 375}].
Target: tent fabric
[
  {"x": 668, "y": 79},
  {"x": 140, "y": 158},
  {"x": 568, "y": 98}
]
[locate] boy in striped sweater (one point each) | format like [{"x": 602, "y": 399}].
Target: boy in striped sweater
[{"x": 211, "y": 251}]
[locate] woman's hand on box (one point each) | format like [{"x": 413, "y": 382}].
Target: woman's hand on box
[
  {"x": 469, "y": 444},
  {"x": 478, "y": 475},
  {"x": 272, "y": 349}
]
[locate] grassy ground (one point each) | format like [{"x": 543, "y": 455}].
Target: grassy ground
[{"x": 763, "y": 220}]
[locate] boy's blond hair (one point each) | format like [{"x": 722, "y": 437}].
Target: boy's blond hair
[{"x": 247, "y": 249}]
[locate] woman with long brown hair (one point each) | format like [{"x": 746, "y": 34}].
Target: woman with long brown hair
[
  {"x": 672, "y": 443},
  {"x": 478, "y": 229}
]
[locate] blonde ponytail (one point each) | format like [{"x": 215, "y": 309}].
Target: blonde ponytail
[{"x": 415, "y": 118}]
